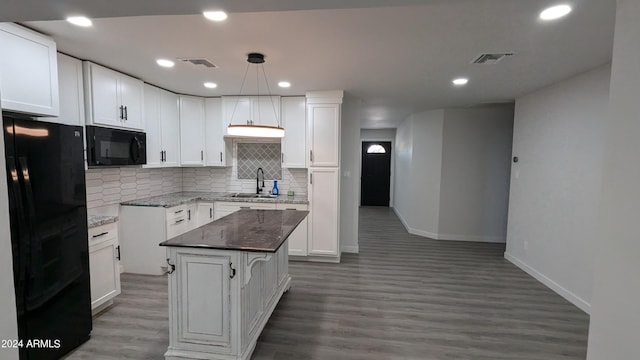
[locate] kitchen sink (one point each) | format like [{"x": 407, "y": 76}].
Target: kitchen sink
[{"x": 251, "y": 196}]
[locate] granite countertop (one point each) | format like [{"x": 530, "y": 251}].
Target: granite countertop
[
  {"x": 245, "y": 230},
  {"x": 99, "y": 220},
  {"x": 184, "y": 197}
]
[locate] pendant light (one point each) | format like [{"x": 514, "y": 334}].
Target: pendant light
[{"x": 249, "y": 129}]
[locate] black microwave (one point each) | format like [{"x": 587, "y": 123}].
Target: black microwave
[{"x": 115, "y": 147}]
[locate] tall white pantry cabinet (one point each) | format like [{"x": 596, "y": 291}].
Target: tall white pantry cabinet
[{"x": 323, "y": 124}]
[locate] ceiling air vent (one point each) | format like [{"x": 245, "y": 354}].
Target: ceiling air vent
[
  {"x": 490, "y": 59},
  {"x": 200, "y": 62}
]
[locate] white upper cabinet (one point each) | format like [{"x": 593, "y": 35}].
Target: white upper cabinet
[
  {"x": 28, "y": 71},
  {"x": 155, "y": 154},
  {"x": 112, "y": 98},
  {"x": 162, "y": 123},
  {"x": 215, "y": 129},
  {"x": 266, "y": 110},
  {"x": 71, "y": 92},
  {"x": 294, "y": 143},
  {"x": 236, "y": 110},
  {"x": 170, "y": 127},
  {"x": 262, "y": 110},
  {"x": 324, "y": 134},
  {"x": 192, "y": 139}
]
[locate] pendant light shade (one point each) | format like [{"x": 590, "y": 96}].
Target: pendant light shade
[
  {"x": 255, "y": 131},
  {"x": 251, "y": 130}
]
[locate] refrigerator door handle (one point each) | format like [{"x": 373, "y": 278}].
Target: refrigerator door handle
[{"x": 17, "y": 209}]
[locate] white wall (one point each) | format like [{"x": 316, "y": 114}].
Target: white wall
[
  {"x": 615, "y": 319},
  {"x": 350, "y": 173},
  {"x": 403, "y": 157},
  {"x": 555, "y": 187},
  {"x": 381, "y": 135},
  {"x": 476, "y": 164},
  {"x": 452, "y": 173},
  {"x": 8, "y": 317},
  {"x": 418, "y": 159}
]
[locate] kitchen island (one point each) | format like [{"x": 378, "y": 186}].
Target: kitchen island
[{"x": 225, "y": 280}]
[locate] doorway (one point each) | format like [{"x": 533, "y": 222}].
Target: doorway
[{"x": 376, "y": 173}]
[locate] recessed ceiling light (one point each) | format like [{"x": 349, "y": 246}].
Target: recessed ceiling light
[
  {"x": 284, "y": 84},
  {"x": 210, "y": 85},
  {"x": 165, "y": 63},
  {"x": 80, "y": 21},
  {"x": 555, "y": 12},
  {"x": 215, "y": 15},
  {"x": 460, "y": 81}
]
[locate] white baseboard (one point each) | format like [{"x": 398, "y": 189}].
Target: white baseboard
[
  {"x": 568, "y": 295},
  {"x": 451, "y": 237},
  {"x": 422, "y": 233},
  {"x": 350, "y": 249},
  {"x": 476, "y": 238}
]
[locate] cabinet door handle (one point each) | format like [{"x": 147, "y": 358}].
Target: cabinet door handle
[
  {"x": 311, "y": 178},
  {"x": 210, "y": 213},
  {"x": 201, "y": 155},
  {"x": 118, "y": 252},
  {"x": 178, "y": 212},
  {"x": 171, "y": 268},
  {"x": 99, "y": 235},
  {"x": 126, "y": 114},
  {"x": 310, "y": 155},
  {"x": 121, "y": 112},
  {"x": 245, "y": 207},
  {"x": 188, "y": 214},
  {"x": 290, "y": 209},
  {"x": 179, "y": 221},
  {"x": 233, "y": 271},
  {"x": 282, "y": 157},
  {"x": 221, "y": 157}
]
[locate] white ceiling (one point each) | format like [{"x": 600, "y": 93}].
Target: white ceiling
[{"x": 397, "y": 59}]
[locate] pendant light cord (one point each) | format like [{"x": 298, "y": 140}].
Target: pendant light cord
[
  {"x": 270, "y": 97},
  {"x": 240, "y": 93}
]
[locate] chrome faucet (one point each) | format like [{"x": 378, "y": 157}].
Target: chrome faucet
[{"x": 258, "y": 187}]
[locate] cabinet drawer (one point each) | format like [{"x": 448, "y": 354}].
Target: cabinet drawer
[
  {"x": 281, "y": 206},
  {"x": 103, "y": 233},
  {"x": 235, "y": 206},
  {"x": 177, "y": 226},
  {"x": 176, "y": 212}
]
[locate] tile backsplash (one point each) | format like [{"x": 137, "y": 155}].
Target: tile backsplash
[
  {"x": 114, "y": 185},
  {"x": 226, "y": 180},
  {"x": 111, "y": 186},
  {"x": 252, "y": 156}
]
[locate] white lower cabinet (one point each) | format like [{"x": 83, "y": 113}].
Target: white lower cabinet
[
  {"x": 140, "y": 242},
  {"x": 205, "y": 307},
  {"x": 324, "y": 205},
  {"x": 104, "y": 265},
  {"x": 220, "y": 300},
  {"x": 298, "y": 240},
  {"x": 224, "y": 208},
  {"x": 204, "y": 213}
]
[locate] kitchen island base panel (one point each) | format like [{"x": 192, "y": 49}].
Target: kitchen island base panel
[{"x": 220, "y": 300}]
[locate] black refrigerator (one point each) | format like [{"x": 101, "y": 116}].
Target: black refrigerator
[{"x": 48, "y": 214}]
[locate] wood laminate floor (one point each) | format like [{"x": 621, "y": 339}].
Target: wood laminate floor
[{"x": 402, "y": 297}]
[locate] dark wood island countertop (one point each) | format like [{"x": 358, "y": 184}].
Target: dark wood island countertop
[{"x": 244, "y": 230}]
